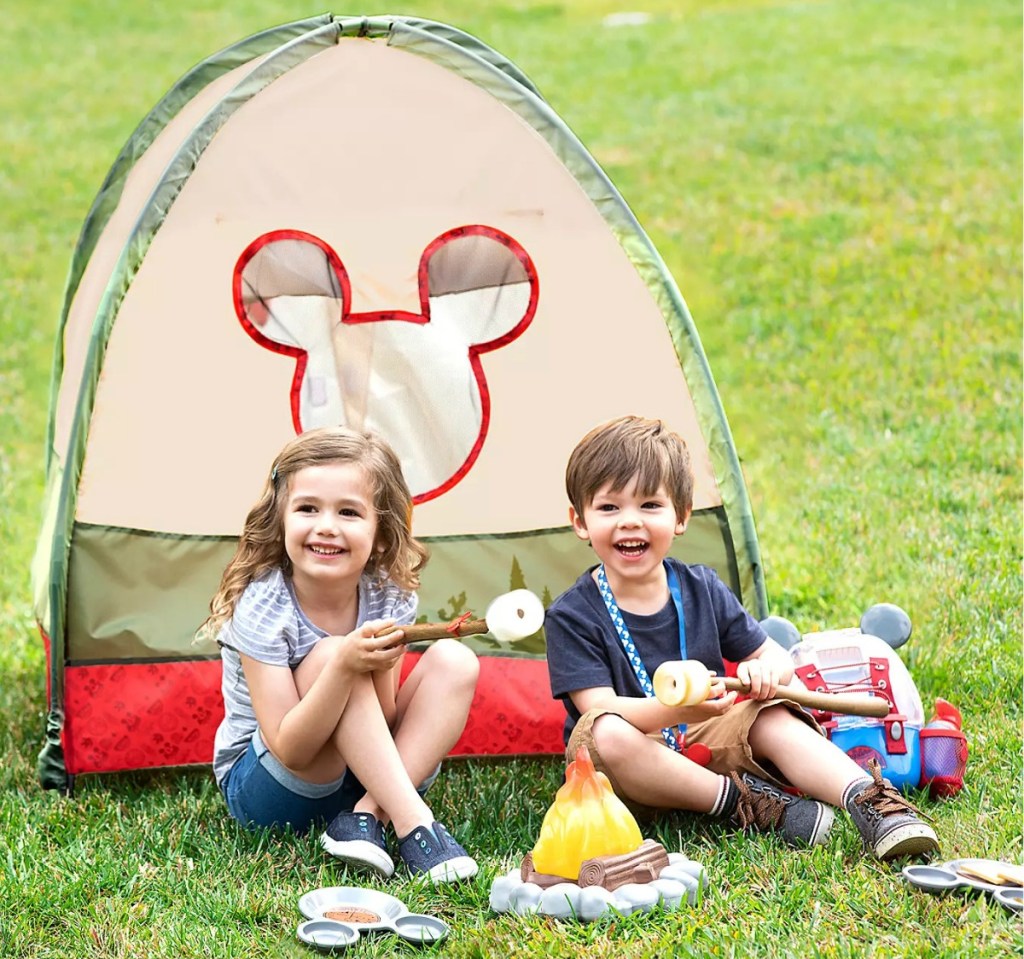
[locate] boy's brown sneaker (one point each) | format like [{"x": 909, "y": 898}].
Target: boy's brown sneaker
[
  {"x": 888, "y": 823},
  {"x": 800, "y": 821}
]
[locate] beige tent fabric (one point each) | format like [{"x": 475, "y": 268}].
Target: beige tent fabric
[
  {"x": 137, "y": 188},
  {"x": 376, "y": 152}
]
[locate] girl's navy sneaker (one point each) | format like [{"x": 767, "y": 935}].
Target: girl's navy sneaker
[
  {"x": 431, "y": 851},
  {"x": 357, "y": 838}
]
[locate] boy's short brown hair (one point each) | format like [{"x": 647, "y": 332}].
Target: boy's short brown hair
[{"x": 629, "y": 446}]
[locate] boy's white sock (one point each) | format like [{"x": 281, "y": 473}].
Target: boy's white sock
[
  {"x": 853, "y": 788},
  {"x": 728, "y": 794}
]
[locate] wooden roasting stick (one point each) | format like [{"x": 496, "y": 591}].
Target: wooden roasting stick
[
  {"x": 848, "y": 705},
  {"x": 425, "y": 632},
  {"x": 688, "y": 682},
  {"x": 510, "y": 618}
]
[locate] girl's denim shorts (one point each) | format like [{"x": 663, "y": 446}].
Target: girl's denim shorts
[{"x": 260, "y": 792}]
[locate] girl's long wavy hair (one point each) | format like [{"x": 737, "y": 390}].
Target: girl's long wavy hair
[{"x": 397, "y": 555}]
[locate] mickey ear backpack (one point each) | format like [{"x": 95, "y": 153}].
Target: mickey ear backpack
[{"x": 863, "y": 660}]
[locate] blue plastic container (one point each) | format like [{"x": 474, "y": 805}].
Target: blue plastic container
[{"x": 866, "y": 742}]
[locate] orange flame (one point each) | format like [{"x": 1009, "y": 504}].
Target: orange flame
[{"x": 586, "y": 820}]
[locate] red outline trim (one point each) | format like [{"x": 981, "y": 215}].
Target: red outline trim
[
  {"x": 476, "y": 349},
  {"x": 300, "y": 355},
  {"x": 403, "y": 316},
  {"x": 383, "y": 316}
]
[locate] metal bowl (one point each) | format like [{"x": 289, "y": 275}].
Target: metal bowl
[
  {"x": 327, "y": 935},
  {"x": 1012, "y": 899},
  {"x": 420, "y": 930},
  {"x": 934, "y": 879}
]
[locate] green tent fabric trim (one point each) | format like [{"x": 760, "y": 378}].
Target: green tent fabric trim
[
  {"x": 392, "y": 27},
  {"x": 117, "y": 610}
]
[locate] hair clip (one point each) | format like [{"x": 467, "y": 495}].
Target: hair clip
[{"x": 273, "y": 476}]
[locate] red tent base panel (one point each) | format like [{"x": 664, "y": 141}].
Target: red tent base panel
[{"x": 124, "y": 716}]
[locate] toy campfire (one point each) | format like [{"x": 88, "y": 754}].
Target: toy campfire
[
  {"x": 590, "y": 837},
  {"x": 590, "y": 859}
]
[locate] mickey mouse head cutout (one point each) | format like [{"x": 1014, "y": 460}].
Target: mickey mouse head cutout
[{"x": 414, "y": 378}]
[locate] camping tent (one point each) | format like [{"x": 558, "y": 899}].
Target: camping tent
[{"x": 371, "y": 221}]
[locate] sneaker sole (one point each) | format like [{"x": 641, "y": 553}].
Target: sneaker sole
[
  {"x": 360, "y": 854},
  {"x": 914, "y": 839},
  {"x": 823, "y": 827},
  {"x": 452, "y": 870}
]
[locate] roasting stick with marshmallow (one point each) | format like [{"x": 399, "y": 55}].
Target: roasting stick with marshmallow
[
  {"x": 688, "y": 682},
  {"x": 510, "y": 618}
]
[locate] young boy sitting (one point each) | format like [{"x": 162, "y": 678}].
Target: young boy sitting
[{"x": 631, "y": 489}]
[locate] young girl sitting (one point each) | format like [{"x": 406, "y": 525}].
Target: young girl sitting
[{"x": 316, "y": 728}]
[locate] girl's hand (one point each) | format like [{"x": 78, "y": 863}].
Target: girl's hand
[
  {"x": 761, "y": 675},
  {"x": 364, "y": 652}
]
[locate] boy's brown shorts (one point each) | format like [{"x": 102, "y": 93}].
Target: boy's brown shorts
[{"x": 726, "y": 736}]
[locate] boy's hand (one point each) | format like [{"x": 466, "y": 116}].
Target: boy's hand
[
  {"x": 761, "y": 675},
  {"x": 708, "y": 709},
  {"x": 364, "y": 652},
  {"x": 718, "y": 702}
]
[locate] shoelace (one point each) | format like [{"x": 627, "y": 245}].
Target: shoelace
[
  {"x": 883, "y": 799},
  {"x": 756, "y": 808}
]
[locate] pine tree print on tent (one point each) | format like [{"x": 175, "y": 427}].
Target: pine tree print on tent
[{"x": 516, "y": 579}]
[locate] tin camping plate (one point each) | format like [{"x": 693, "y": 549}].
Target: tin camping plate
[
  {"x": 420, "y": 930},
  {"x": 971, "y": 871},
  {"x": 366, "y": 910}
]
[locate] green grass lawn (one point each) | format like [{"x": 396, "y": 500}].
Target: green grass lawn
[{"x": 836, "y": 187}]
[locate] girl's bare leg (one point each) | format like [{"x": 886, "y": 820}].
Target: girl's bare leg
[
  {"x": 364, "y": 739},
  {"x": 363, "y": 742},
  {"x": 433, "y": 705}
]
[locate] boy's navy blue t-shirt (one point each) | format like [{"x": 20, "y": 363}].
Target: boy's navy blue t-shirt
[{"x": 584, "y": 649}]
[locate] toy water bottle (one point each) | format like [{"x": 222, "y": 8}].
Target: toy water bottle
[{"x": 943, "y": 751}]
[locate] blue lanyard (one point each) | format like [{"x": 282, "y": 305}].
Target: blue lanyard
[
  {"x": 677, "y": 601},
  {"x": 673, "y": 736}
]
